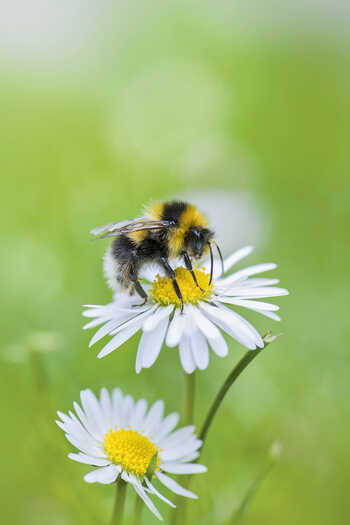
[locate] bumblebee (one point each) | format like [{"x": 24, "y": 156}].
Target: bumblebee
[{"x": 168, "y": 230}]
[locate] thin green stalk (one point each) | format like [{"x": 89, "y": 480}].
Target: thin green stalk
[
  {"x": 189, "y": 396},
  {"x": 138, "y": 510},
  {"x": 239, "y": 513},
  {"x": 231, "y": 378},
  {"x": 38, "y": 371},
  {"x": 119, "y": 502},
  {"x": 179, "y": 515}
]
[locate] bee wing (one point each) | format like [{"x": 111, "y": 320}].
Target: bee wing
[
  {"x": 112, "y": 226},
  {"x": 124, "y": 227}
]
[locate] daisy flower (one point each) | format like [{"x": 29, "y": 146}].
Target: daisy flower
[
  {"x": 205, "y": 314},
  {"x": 125, "y": 440}
]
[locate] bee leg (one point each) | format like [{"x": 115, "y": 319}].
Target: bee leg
[
  {"x": 170, "y": 273},
  {"x": 137, "y": 285},
  {"x": 190, "y": 269}
]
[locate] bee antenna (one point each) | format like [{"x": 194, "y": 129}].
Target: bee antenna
[
  {"x": 211, "y": 262},
  {"x": 221, "y": 259}
]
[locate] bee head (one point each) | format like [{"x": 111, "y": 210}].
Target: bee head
[{"x": 197, "y": 240}]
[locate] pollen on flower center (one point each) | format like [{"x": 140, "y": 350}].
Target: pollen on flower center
[
  {"x": 163, "y": 292},
  {"x": 131, "y": 450}
]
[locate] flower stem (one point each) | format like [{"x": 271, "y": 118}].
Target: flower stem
[
  {"x": 179, "y": 515},
  {"x": 119, "y": 502},
  {"x": 38, "y": 371},
  {"x": 239, "y": 513},
  {"x": 138, "y": 510},
  {"x": 231, "y": 378},
  {"x": 189, "y": 395}
]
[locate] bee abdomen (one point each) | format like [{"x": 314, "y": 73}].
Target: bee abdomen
[{"x": 117, "y": 261}]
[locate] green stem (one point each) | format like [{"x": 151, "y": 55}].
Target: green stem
[
  {"x": 231, "y": 378},
  {"x": 38, "y": 371},
  {"x": 138, "y": 510},
  {"x": 239, "y": 513},
  {"x": 179, "y": 515},
  {"x": 189, "y": 395},
  {"x": 119, "y": 502}
]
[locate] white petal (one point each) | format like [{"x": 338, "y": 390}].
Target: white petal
[
  {"x": 98, "y": 311},
  {"x": 174, "y": 486},
  {"x": 139, "y": 356},
  {"x": 246, "y": 272},
  {"x": 256, "y": 293},
  {"x": 86, "y": 423},
  {"x": 151, "y": 323},
  {"x": 177, "y": 437},
  {"x": 271, "y": 315},
  {"x": 153, "y": 417},
  {"x": 104, "y": 475},
  {"x": 200, "y": 350},
  {"x": 106, "y": 407},
  {"x": 89, "y": 460},
  {"x": 258, "y": 281},
  {"x": 93, "y": 305},
  {"x": 96, "y": 322},
  {"x": 150, "y": 272},
  {"x": 190, "y": 457},
  {"x": 61, "y": 425},
  {"x": 229, "y": 261},
  {"x": 126, "y": 410},
  {"x": 189, "y": 322},
  {"x": 110, "y": 326},
  {"x": 83, "y": 446},
  {"x": 107, "y": 310},
  {"x": 257, "y": 306},
  {"x": 186, "y": 356},
  {"x": 77, "y": 430},
  {"x": 181, "y": 450},
  {"x": 254, "y": 334},
  {"x": 152, "y": 342},
  {"x": 204, "y": 324},
  {"x": 118, "y": 340},
  {"x": 140, "y": 491},
  {"x": 237, "y": 256},
  {"x": 137, "y": 421},
  {"x": 166, "y": 426},
  {"x": 155, "y": 491},
  {"x": 219, "y": 346},
  {"x": 117, "y": 403},
  {"x": 183, "y": 468},
  {"x": 135, "y": 320},
  {"x": 175, "y": 329},
  {"x": 234, "y": 325},
  {"x": 93, "y": 412}
]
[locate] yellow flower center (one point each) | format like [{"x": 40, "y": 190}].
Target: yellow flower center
[
  {"x": 163, "y": 292},
  {"x": 131, "y": 450}
]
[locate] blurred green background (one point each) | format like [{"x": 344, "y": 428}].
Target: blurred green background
[{"x": 104, "y": 107}]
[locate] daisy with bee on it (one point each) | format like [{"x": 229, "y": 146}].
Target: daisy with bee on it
[{"x": 183, "y": 306}]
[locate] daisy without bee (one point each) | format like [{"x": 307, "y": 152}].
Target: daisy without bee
[
  {"x": 130, "y": 444},
  {"x": 208, "y": 310}
]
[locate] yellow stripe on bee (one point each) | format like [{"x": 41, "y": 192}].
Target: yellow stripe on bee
[
  {"x": 155, "y": 211},
  {"x": 190, "y": 217},
  {"x": 138, "y": 236}
]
